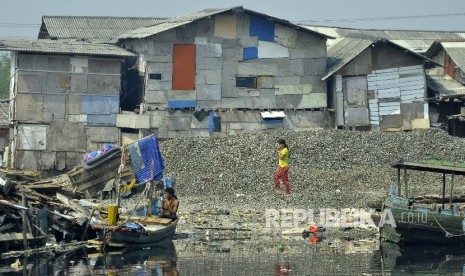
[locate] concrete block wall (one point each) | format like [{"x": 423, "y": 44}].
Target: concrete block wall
[
  {"x": 60, "y": 100},
  {"x": 287, "y": 69}
]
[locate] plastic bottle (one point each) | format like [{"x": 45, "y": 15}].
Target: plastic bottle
[{"x": 392, "y": 190}]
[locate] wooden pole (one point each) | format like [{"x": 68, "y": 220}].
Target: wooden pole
[
  {"x": 451, "y": 188},
  {"x": 443, "y": 189},
  {"x": 24, "y": 217},
  {"x": 84, "y": 236},
  {"x": 399, "y": 191},
  {"x": 406, "y": 182},
  {"x": 151, "y": 183}
]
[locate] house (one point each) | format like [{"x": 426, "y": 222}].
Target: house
[
  {"x": 377, "y": 84},
  {"x": 452, "y": 56},
  {"x": 446, "y": 84},
  {"x": 64, "y": 99},
  {"x": 98, "y": 29},
  {"x": 224, "y": 71}
]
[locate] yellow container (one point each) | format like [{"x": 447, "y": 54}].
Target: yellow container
[{"x": 112, "y": 214}]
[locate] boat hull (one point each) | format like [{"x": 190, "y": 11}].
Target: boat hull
[
  {"x": 128, "y": 236},
  {"x": 143, "y": 237},
  {"x": 421, "y": 226}
]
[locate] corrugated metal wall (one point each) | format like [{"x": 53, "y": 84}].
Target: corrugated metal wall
[{"x": 394, "y": 88}]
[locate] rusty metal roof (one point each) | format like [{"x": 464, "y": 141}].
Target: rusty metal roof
[
  {"x": 102, "y": 28},
  {"x": 63, "y": 47},
  {"x": 444, "y": 86},
  {"x": 346, "y": 49},
  {"x": 183, "y": 20},
  {"x": 414, "y": 40}
]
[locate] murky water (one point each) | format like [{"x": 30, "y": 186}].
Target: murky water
[{"x": 295, "y": 256}]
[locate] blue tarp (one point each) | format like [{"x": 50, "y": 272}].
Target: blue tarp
[
  {"x": 181, "y": 104},
  {"x": 250, "y": 53},
  {"x": 262, "y": 28},
  {"x": 142, "y": 153}
]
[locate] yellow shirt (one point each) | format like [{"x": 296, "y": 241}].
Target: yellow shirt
[{"x": 284, "y": 161}]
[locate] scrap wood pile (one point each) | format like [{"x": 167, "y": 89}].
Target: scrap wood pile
[
  {"x": 64, "y": 206},
  {"x": 58, "y": 207}
]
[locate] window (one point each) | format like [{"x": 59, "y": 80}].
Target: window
[
  {"x": 155, "y": 76},
  {"x": 246, "y": 82}
]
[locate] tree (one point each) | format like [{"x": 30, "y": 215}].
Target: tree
[{"x": 4, "y": 76}]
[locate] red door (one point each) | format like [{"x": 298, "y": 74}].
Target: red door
[{"x": 184, "y": 67}]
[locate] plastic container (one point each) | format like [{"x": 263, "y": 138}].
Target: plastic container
[
  {"x": 168, "y": 182},
  {"x": 112, "y": 214},
  {"x": 143, "y": 211}
]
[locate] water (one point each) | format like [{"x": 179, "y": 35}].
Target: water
[{"x": 286, "y": 256}]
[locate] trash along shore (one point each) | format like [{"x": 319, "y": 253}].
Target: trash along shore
[{"x": 224, "y": 185}]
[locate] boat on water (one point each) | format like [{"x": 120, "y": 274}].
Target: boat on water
[
  {"x": 138, "y": 229},
  {"x": 146, "y": 231},
  {"x": 431, "y": 219}
]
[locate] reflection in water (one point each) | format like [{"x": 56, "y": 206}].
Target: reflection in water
[
  {"x": 391, "y": 258},
  {"x": 330, "y": 255},
  {"x": 281, "y": 269},
  {"x": 159, "y": 259}
]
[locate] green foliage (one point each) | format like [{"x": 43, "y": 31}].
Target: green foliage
[{"x": 4, "y": 76}]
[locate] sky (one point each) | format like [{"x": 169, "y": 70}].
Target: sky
[{"x": 22, "y": 18}]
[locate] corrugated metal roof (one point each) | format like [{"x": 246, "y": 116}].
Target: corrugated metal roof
[
  {"x": 445, "y": 86},
  {"x": 92, "y": 27},
  {"x": 63, "y": 47},
  {"x": 414, "y": 40},
  {"x": 183, "y": 20},
  {"x": 342, "y": 52},
  {"x": 345, "y": 49},
  {"x": 456, "y": 50}
]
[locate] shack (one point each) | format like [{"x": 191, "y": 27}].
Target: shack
[
  {"x": 376, "y": 84},
  {"x": 64, "y": 98},
  {"x": 216, "y": 71}
]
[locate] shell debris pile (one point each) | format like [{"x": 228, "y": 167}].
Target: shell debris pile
[{"x": 328, "y": 168}]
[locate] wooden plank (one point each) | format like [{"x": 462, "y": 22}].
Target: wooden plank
[
  {"x": 418, "y": 92},
  {"x": 387, "y": 76},
  {"x": 411, "y": 68},
  {"x": 412, "y": 87},
  {"x": 388, "y": 90},
  {"x": 389, "y": 70},
  {"x": 389, "y": 95},
  {"x": 410, "y": 79},
  {"x": 154, "y": 220},
  {"x": 15, "y": 237}
]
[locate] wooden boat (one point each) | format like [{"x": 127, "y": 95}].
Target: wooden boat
[
  {"x": 146, "y": 231},
  {"x": 147, "y": 165},
  {"x": 403, "y": 219}
]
